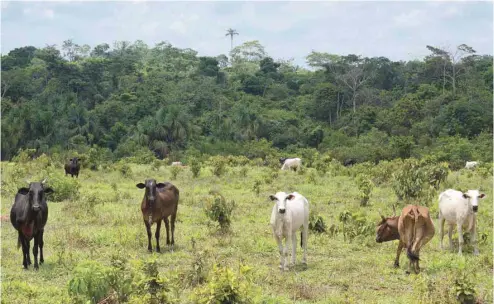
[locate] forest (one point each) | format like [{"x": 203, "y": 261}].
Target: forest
[{"x": 132, "y": 99}]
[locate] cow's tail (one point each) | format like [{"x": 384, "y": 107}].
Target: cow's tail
[
  {"x": 301, "y": 238},
  {"x": 18, "y": 243},
  {"x": 411, "y": 255}
]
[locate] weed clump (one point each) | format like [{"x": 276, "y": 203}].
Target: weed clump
[{"x": 217, "y": 209}]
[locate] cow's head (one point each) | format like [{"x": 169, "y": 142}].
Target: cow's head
[
  {"x": 473, "y": 196},
  {"x": 36, "y": 194},
  {"x": 387, "y": 229},
  {"x": 280, "y": 198},
  {"x": 282, "y": 160},
  {"x": 150, "y": 194},
  {"x": 74, "y": 161}
]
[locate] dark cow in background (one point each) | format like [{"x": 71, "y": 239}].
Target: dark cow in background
[
  {"x": 28, "y": 216},
  {"x": 349, "y": 162},
  {"x": 160, "y": 201},
  {"x": 73, "y": 167}
]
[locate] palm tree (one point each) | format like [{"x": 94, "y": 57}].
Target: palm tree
[{"x": 231, "y": 32}]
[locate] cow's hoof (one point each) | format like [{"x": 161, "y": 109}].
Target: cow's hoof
[
  {"x": 407, "y": 272},
  {"x": 396, "y": 265}
]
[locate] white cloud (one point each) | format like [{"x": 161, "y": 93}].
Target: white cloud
[
  {"x": 38, "y": 12},
  {"x": 414, "y": 18}
]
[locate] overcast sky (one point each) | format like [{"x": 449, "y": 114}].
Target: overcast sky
[{"x": 397, "y": 30}]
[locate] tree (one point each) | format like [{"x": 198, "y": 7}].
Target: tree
[{"x": 231, "y": 32}]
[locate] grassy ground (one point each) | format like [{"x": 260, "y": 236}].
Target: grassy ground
[{"x": 360, "y": 271}]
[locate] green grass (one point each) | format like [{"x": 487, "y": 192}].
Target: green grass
[{"x": 360, "y": 271}]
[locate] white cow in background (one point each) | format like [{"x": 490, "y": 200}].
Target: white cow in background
[
  {"x": 471, "y": 164},
  {"x": 459, "y": 208},
  {"x": 177, "y": 163},
  {"x": 292, "y": 163},
  {"x": 290, "y": 212}
]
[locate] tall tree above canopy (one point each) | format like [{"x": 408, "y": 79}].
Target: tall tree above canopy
[
  {"x": 231, "y": 32},
  {"x": 251, "y": 51}
]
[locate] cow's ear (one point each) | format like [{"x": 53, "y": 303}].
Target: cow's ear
[
  {"x": 23, "y": 191},
  {"x": 49, "y": 190},
  {"x": 141, "y": 186},
  {"x": 160, "y": 185},
  {"x": 70, "y": 159},
  {"x": 466, "y": 196},
  {"x": 272, "y": 197},
  {"x": 482, "y": 195},
  {"x": 290, "y": 196}
]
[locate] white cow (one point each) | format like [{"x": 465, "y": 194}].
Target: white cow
[
  {"x": 292, "y": 163},
  {"x": 459, "y": 208},
  {"x": 290, "y": 212},
  {"x": 471, "y": 164},
  {"x": 177, "y": 163}
]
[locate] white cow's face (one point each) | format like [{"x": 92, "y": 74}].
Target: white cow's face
[
  {"x": 280, "y": 198},
  {"x": 473, "y": 196}
]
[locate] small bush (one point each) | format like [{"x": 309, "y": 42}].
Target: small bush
[
  {"x": 90, "y": 282},
  {"x": 175, "y": 170},
  {"x": 409, "y": 180},
  {"x": 464, "y": 289},
  {"x": 312, "y": 176},
  {"x": 195, "y": 167},
  {"x": 257, "y": 187},
  {"x": 227, "y": 286},
  {"x": 365, "y": 187},
  {"x": 316, "y": 222},
  {"x": 218, "y": 165},
  {"x": 436, "y": 174},
  {"x": 219, "y": 210},
  {"x": 123, "y": 168},
  {"x": 66, "y": 188},
  {"x": 243, "y": 171}
]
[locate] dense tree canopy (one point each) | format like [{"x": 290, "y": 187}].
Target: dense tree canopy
[{"x": 165, "y": 99}]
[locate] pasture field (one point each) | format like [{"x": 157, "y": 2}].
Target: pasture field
[{"x": 102, "y": 226}]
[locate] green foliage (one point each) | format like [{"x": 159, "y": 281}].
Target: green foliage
[
  {"x": 195, "y": 167},
  {"x": 226, "y": 286},
  {"x": 124, "y": 169},
  {"x": 218, "y": 165},
  {"x": 65, "y": 187},
  {"x": 217, "y": 209},
  {"x": 436, "y": 174},
  {"x": 175, "y": 170},
  {"x": 355, "y": 225},
  {"x": 257, "y": 186},
  {"x": 316, "y": 222},
  {"x": 464, "y": 288},
  {"x": 409, "y": 180},
  {"x": 365, "y": 187},
  {"x": 89, "y": 282}
]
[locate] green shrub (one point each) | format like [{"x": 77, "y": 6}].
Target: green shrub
[
  {"x": 195, "y": 167},
  {"x": 257, "y": 186},
  {"x": 316, "y": 222},
  {"x": 227, "y": 286},
  {"x": 436, "y": 174},
  {"x": 175, "y": 170},
  {"x": 218, "y": 165},
  {"x": 365, "y": 187},
  {"x": 90, "y": 282},
  {"x": 65, "y": 188},
  {"x": 124, "y": 169},
  {"x": 218, "y": 209},
  {"x": 409, "y": 180},
  {"x": 464, "y": 289},
  {"x": 243, "y": 171}
]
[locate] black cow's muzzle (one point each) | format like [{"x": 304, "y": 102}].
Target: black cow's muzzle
[
  {"x": 36, "y": 208},
  {"x": 282, "y": 211},
  {"x": 475, "y": 208}
]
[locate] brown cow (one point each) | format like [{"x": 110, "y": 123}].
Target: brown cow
[
  {"x": 387, "y": 230},
  {"x": 159, "y": 202},
  {"x": 416, "y": 229}
]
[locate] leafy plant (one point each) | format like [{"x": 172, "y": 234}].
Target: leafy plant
[
  {"x": 218, "y": 209},
  {"x": 175, "y": 170},
  {"x": 365, "y": 187},
  {"x": 195, "y": 167}
]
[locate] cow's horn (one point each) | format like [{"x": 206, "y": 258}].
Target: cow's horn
[
  {"x": 44, "y": 181},
  {"x": 394, "y": 210},
  {"x": 27, "y": 181}
]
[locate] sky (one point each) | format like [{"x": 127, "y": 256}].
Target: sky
[{"x": 287, "y": 30}]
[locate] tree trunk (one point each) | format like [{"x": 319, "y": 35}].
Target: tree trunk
[{"x": 453, "y": 79}]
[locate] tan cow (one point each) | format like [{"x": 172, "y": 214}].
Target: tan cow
[{"x": 416, "y": 229}]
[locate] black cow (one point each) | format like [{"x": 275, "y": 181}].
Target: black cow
[
  {"x": 28, "y": 216},
  {"x": 282, "y": 160},
  {"x": 73, "y": 167},
  {"x": 349, "y": 162}
]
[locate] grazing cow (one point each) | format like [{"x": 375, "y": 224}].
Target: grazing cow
[
  {"x": 160, "y": 201},
  {"x": 471, "y": 164},
  {"x": 349, "y": 162},
  {"x": 387, "y": 230},
  {"x": 292, "y": 163},
  {"x": 290, "y": 212},
  {"x": 282, "y": 160},
  {"x": 177, "y": 163},
  {"x": 73, "y": 167},
  {"x": 416, "y": 229},
  {"x": 461, "y": 209},
  {"x": 28, "y": 216}
]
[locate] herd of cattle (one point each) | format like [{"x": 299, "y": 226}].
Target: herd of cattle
[{"x": 413, "y": 227}]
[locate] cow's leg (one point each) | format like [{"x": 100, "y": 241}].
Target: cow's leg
[
  {"x": 157, "y": 235},
  {"x": 23, "y": 245},
  {"x": 450, "y": 236},
  {"x": 460, "y": 237},
  {"x": 35, "y": 251},
  {"x": 172, "y": 224},
  {"x": 28, "y": 255},
  {"x": 304, "y": 245},
  {"x": 441, "y": 230},
  {"x": 294, "y": 248},
  {"x": 167, "y": 227},
  {"x": 281, "y": 250},
  {"x": 41, "y": 243},
  {"x": 148, "y": 230},
  {"x": 473, "y": 232},
  {"x": 398, "y": 253},
  {"x": 285, "y": 251}
]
